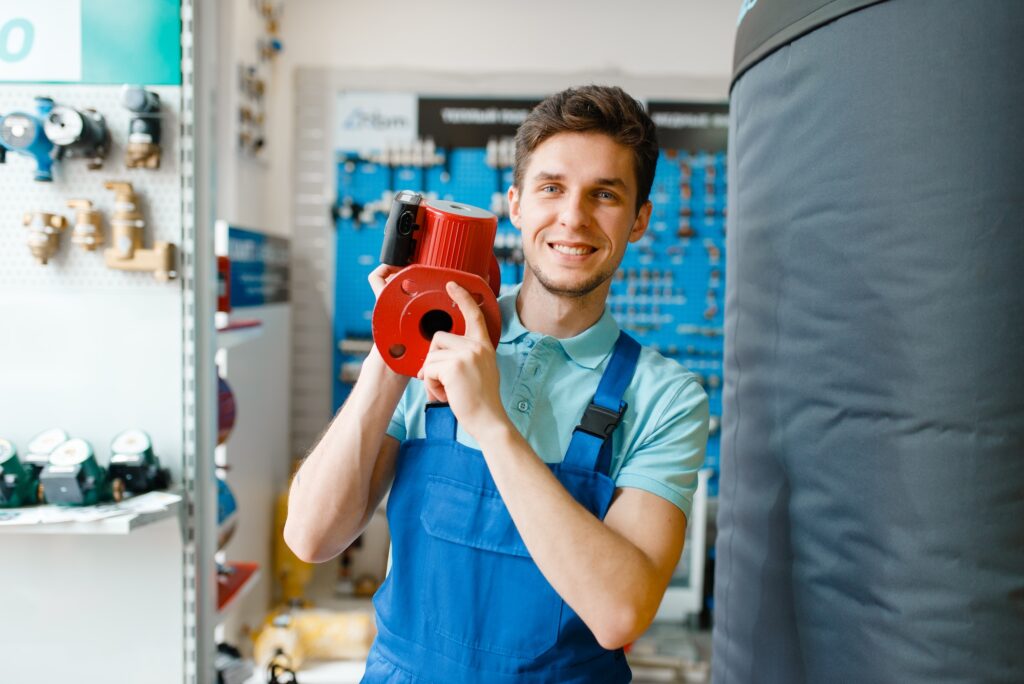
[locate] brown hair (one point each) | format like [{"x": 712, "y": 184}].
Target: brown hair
[{"x": 592, "y": 109}]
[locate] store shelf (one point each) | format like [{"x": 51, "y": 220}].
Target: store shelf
[
  {"x": 109, "y": 519},
  {"x": 231, "y": 588},
  {"x": 238, "y": 332}
]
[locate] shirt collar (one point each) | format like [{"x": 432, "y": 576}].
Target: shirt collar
[
  {"x": 588, "y": 349},
  {"x": 511, "y": 327}
]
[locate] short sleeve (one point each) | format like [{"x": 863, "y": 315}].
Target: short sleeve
[
  {"x": 669, "y": 455},
  {"x": 397, "y": 428}
]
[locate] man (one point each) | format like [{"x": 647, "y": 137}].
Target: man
[{"x": 526, "y": 547}]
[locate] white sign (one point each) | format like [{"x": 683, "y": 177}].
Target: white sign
[
  {"x": 374, "y": 121},
  {"x": 41, "y": 41}
]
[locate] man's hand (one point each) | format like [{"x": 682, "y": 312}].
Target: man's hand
[
  {"x": 381, "y": 276},
  {"x": 462, "y": 370}
]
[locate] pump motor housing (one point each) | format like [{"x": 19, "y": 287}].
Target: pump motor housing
[{"x": 434, "y": 242}]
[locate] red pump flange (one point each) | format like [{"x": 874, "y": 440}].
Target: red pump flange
[{"x": 435, "y": 242}]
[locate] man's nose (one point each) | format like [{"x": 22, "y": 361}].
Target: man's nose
[{"x": 574, "y": 211}]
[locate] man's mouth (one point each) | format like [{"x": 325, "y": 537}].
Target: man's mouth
[{"x": 572, "y": 249}]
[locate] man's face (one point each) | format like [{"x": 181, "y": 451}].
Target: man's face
[{"x": 577, "y": 211}]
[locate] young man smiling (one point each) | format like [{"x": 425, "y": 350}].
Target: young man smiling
[{"x": 538, "y": 513}]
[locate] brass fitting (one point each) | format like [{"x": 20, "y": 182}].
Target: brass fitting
[
  {"x": 88, "y": 229},
  {"x": 142, "y": 155},
  {"x": 44, "y": 233},
  {"x": 127, "y": 225},
  {"x": 126, "y": 222}
]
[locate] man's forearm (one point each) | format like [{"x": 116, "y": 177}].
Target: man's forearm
[
  {"x": 340, "y": 483},
  {"x": 610, "y": 582}
]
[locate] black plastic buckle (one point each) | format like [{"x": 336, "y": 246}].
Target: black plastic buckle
[{"x": 600, "y": 421}]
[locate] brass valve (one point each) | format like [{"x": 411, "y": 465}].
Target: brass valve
[
  {"x": 88, "y": 229},
  {"x": 44, "y": 233},
  {"x": 127, "y": 225},
  {"x": 126, "y": 222}
]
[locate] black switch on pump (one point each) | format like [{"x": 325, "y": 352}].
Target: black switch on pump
[{"x": 399, "y": 248}]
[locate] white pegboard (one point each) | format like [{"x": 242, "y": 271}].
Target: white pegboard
[
  {"x": 95, "y": 350},
  {"x": 158, "y": 190}
]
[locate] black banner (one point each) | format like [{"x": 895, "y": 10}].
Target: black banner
[
  {"x": 459, "y": 122},
  {"x": 464, "y": 122},
  {"x": 691, "y": 126}
]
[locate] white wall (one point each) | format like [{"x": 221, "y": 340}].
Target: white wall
[
  {"x": 668, "y": 48},
  {"x": 242, "y": 192}
]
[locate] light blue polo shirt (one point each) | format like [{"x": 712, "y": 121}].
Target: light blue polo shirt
[{"x": 546, "y": 383}]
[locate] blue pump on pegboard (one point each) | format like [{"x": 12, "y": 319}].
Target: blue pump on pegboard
[{"x": 22, "y": 132}]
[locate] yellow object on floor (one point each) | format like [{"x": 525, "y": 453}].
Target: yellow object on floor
[{"x": 315, "y": 634}]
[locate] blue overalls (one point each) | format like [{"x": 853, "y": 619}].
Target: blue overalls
[{"x": 464, "y": 601}]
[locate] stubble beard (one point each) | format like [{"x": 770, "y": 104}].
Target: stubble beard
[{"x": 576, "y": 291}]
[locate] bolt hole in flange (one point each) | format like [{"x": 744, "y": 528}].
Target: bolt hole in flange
[
  {"x": 396, "y": 351},
  {"x": 435, "y": 321}
]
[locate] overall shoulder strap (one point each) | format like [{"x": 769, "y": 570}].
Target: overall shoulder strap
[
  {"x": 440, "y": 421},
  {"x": 591, "y": 443}
]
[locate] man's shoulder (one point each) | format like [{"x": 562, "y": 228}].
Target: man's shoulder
[{"x": 654, "y": 367}]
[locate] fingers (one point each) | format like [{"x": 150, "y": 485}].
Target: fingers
[
  {"x": 435, "y": 391},
  {"x": 476, "y": 325},
  {"x": 443, "y": 341},
  {"x": 430, "y": 375},
  {"x": 380, "y": 276}
]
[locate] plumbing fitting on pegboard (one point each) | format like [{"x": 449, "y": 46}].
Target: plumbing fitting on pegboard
[
  {"x": 78, "y": 133},
  {"x": 88, "y": 230},
  {"x": 128, "y": 226},
  {"x": 44, "y": 233},
  {"x": 434, "y": 242},
  {"x": 24, "y": 133},
  {"x": 143, "y": 149}
]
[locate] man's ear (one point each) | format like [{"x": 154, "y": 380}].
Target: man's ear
[
  {"x": 643, "y": 217},
  {"x": 513, "y": 206}
]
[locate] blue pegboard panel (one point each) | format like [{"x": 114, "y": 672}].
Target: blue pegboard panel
[{"x": 669, "y": 291}]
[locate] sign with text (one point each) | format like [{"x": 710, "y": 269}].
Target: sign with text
[
  {"x": 374, "y": 121},
  {"x": 41, "y": 41},
  {"x": 90, "y": 41},
  {"x": 259, "y": 268},
  {"x": 471, "y": 122},
  {"x": 690, "y": 125}
]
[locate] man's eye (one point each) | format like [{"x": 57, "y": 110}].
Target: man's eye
[
  {"x": 549, "y": 188},
  {"x": 604, "y": 194}
]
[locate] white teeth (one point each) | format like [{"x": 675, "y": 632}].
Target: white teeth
[{"x": 573, "y": 251}]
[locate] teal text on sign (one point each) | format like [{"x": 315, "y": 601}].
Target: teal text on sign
[{"x": 18, "y": 32}]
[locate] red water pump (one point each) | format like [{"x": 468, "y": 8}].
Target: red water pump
[{"x": 434, "y": 241}]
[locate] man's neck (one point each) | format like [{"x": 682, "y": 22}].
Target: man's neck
[{"x": 556, "y": 315}]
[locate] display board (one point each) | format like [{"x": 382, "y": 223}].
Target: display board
[
  {"x": 669, "y": 289},
  {"x": 95, "y": 350}
]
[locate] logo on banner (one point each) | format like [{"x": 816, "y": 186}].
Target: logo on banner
[
  {"x": 374, "y": 120},
  {"x": 41, "y": 41}
]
